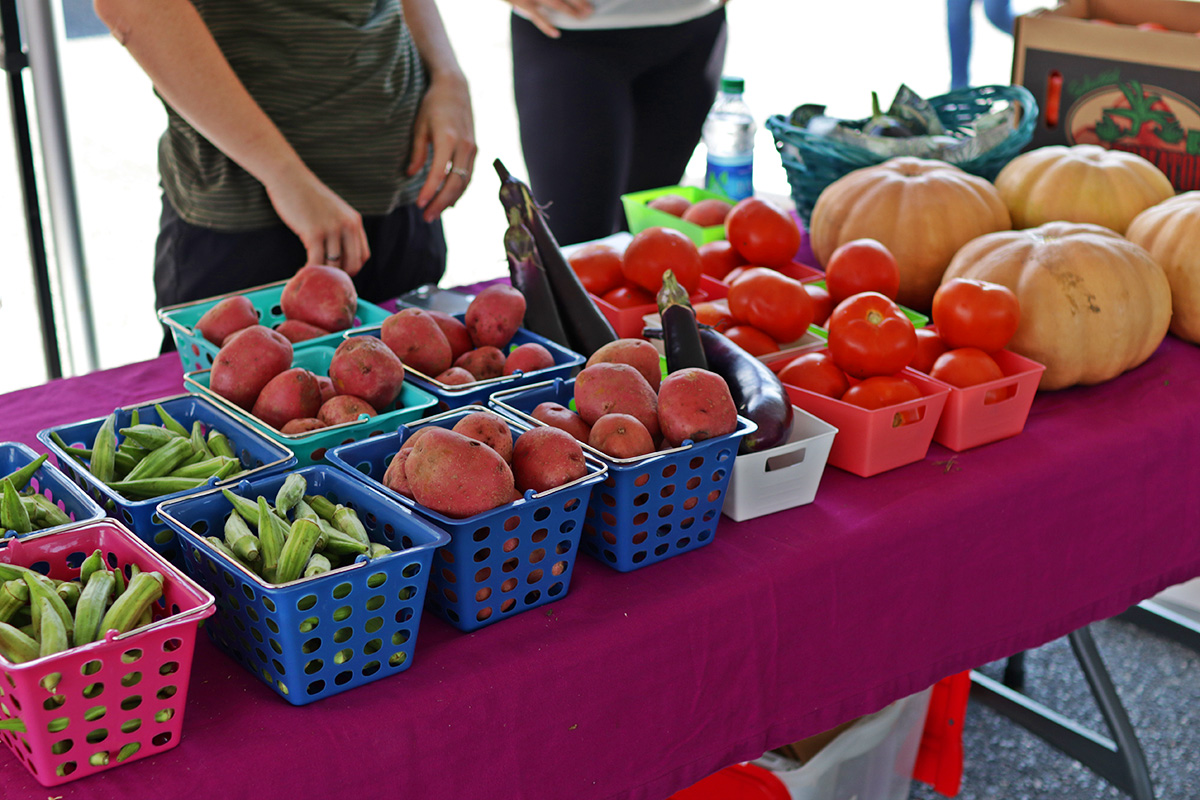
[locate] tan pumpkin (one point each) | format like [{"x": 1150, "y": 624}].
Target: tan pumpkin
[
  {"x": 1170, "y": 231},
  {"x": 920, "y": 209},
  {"x": 1093, "y": 303},
  {"x": 1080, "y": 183}
]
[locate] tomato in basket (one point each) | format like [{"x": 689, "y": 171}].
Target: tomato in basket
[
  {"x": 881, "y": 391},
  {"x": 762, "y": 232},
  {"x": 655, "y": 250},
  {"x": 598, "y": 266},
  {"x": 870, "y": 335},
  {"x": 777, "y": 305},
  {"x": 862, "y": 265},
  {"x": 816, "y": 372},
  {"x": 973, "y": 313}
]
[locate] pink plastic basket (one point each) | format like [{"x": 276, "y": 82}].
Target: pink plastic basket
[
  {"x": 873, "y": 441},
  {"x": 991, "y": 411},
  {"x": 118, "y": 699}
]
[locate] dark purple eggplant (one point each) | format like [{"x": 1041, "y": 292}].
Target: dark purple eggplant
[
  {"x": 586, "y": 326},
  {"x": 757, "y": 391},
  {"x": 526, "y": 273},
  {"x": 681, "y": 333}
]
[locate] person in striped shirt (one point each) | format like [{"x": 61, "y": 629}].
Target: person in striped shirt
[{"x": 301, "y": 131}]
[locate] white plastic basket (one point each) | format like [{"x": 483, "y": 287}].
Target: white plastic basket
[{"x": 782, "y": 477}]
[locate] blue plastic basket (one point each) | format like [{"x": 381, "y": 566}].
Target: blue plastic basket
[
  {"x": 450, "y": 396},
  {"x": 314, "y": 637},
  {"x": 310, "y": 446},
  {"x": 50, "y": 481},
  {"x": 258, "y": 455},
  {"x": 651, "y": 507},
  {"x": 498, "y": 563},
  {"x": 197, "y": 353}
]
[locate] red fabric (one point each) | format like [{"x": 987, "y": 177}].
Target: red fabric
[
  {"x": 638, "y": 685},
  {"x": 737, "y": 782},
  {"x": 940, "y": 757}
]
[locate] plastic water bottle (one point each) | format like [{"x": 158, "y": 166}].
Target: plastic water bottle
[{"x": 728, "y": 135}]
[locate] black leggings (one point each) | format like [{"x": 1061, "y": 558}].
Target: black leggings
[{"x": 607, "y": 112}]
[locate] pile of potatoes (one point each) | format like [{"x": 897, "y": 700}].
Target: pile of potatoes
[
  {"x": 625, "y": 408},
  {"x": 253, "y": 369},
  {"x": 455, "y": 353},
  {"x": 479, "y": 465},
  {"x": 317, "y": 301}
]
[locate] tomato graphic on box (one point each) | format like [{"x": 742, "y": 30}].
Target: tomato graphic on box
[{"x": 1130, "y": 114}]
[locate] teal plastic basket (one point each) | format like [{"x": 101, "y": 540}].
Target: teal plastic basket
[
  {"x": 197, "y": 353},
  {"x": 812, "y": 162},
  {"x": 310, "y": 446}
]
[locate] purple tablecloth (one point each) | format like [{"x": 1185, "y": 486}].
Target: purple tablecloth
[{"x": 636, "y": 685}]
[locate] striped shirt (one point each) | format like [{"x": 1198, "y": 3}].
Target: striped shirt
[{"x": 341, "y": 79}]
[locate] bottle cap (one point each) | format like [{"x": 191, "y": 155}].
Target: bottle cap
[{"x": 731, "y": 85}]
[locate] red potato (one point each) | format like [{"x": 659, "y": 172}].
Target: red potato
[
  {"x": 295, "y": 330},
  {"x": 320, "y": 295},
  {"x": 695, "y": 404},
  {"x": 482, "y": 362},
  {"x": 344, "y": 408},
  {"x": 673, "y": 204},
  {"x": 457, "y": 476},
  {"x": 455, "y": 330},
  {"x": 302, "y": 425},
  {"x": 292, "y": 394},
  {"x": 366, "y": 367},
  {"x": 326, "y": 385},
  {"x": 621, "y": 436},
  {"x": 418, "y": 341},
  {"x": 708, "y": 212},
  {"x": 528, "y": 357},
  {"x": 559, "y": 416},
  {"x": 544, "y": 458},
  {"x": 494, "y": 315},
  {"x": 394, "y": 477},
  {"x": 637, "y": 353},
  {"x": 246, "y": 362},
  {"x": 227, "y": 316},
  {"x": 483, "y": 426},
  {"x": 455, "y": 376},
  {"x": 610, "y": 388}
]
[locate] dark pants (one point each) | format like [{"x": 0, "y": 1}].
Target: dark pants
[
  {"x": 607, "y": 112},
  {"x": 194, "y": 263}
]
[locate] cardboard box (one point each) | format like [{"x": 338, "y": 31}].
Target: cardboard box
[{"x": 1114, "y": 84}]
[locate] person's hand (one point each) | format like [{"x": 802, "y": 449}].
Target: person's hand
[
  {"x": 445, "y": 124},
  {"x": 536, "y": 9},
  {"x": 331, "y": 230}
]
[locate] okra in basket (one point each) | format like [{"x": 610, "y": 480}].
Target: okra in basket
[{"x": 319, "y": 579}]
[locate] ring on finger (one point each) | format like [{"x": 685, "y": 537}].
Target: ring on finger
[
  {"x": 462, "y": 173},
  {"x": 333, "y": 258}
]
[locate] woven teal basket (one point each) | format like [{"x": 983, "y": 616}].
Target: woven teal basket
[{"x": 813, "y": 162}]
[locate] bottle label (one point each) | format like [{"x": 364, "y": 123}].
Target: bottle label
[{"x": 732, "y": 177}]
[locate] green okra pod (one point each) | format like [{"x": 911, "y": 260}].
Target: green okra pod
[{"x": 20, "y": 477}]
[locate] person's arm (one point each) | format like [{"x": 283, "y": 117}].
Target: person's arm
[
  {"x": 174, "y": 47},
  {"x": 536, "y": 9},
  {"x": 444, "y": 121}
]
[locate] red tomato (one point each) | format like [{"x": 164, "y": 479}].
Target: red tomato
[
  {"x": 862, "y": 265},
  {"x": 881, "y": 391},
  {"x": 822, "y": 303},
  {"x": 653, "y": 251},
  {"x": 816, "y": 372},
  {"x": 629, "y": 297},
  {"x": 762, "y": 232},
  {"x": 598, "y": 266},
  {"x": 975, "y": 313},
  {"x": 708, "y": 212},
  {"x": 869, "y": 335},
  {"x": 772, "y": 302},
  {"x": 929, "y": 346},
  {"x": 752, "y": 340},
  {"x": 718, "y": 258},
  {"x": 965, "y": 366},
  {"x": 714, "y": 315}
]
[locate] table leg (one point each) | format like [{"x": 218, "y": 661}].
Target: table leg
[
  {"x": 1119, "y": 760},
  {"x": 1158, "y": 618}
]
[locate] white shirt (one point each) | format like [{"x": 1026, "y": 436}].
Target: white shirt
[{"x": 635, "y": 14}]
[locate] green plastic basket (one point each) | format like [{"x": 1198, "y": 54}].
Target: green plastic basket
[
  {"x": 812, "y": 162},
  {"x": 641, "y": 216}
]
